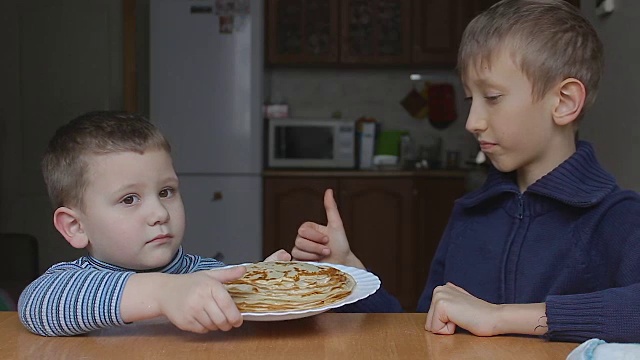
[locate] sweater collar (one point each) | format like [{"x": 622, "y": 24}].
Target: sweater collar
[
  {"x": 578, "y": 181},
  {"x": 101, "y": 265}
]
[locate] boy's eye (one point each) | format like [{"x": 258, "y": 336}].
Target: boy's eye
[
  {"x": 130, "y": 199},
  {"x": 493, "y": 98},
  {"x": 165, "y": 193}
]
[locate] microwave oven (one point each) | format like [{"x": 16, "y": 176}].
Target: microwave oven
[{"x": 311, "y": 143}]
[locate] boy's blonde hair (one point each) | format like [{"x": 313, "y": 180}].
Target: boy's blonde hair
[
  {"x": 66, "y": 160},
  {"x": 549, "y": 40}
]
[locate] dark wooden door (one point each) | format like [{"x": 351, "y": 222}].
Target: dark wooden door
[
  {"x": 438, "y": 26},
  {"x": 435, "y": 199},
  {"x": 377, "y": 216},
  {"x": 375, "y": 31},
  {"x": 302, "y": 31},
  {"x": 288, "y": 203}
]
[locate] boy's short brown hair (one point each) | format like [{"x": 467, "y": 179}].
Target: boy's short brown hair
[
  {"x": 549, "y": 40},
  {"x": 65, "y": 163}
]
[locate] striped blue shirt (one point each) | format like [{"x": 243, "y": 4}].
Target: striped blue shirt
[{"x": 72, "y": 298}]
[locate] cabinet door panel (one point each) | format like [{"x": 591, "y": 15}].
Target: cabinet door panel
[
  {"x": 288, "y": 203},
  {"x": 435, "y": 198},
  {"x": 436, "y": 25},
  {"x": 302, "y": 31},
  {"x": 377, "y": 214},
  {"x": 375, "y": 31}
]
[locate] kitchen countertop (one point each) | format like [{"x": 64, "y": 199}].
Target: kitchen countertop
[{"x": 439, "y": 173}]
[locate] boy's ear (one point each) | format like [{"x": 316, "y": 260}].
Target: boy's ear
[
  {"x": 67, "y": 222},
  {"x": 571, "y": 96}
]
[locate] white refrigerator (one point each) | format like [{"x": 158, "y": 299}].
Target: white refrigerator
[{"x": 206, "y": 97}]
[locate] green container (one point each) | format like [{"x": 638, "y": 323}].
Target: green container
[{"x": 388, "y": 142}]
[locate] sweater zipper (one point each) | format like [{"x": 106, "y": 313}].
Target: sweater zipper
[
  {"x": 520, "y": 206},
  {"x": 507, "y": 255}
]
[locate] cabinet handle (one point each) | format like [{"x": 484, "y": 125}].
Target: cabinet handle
[{"x": 217, "y": 196}]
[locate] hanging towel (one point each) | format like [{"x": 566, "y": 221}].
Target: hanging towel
[{"x": 442, "y": 106}]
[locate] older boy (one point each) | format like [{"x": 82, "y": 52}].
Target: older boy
[
  {"x": 550, "y": 244},
  {"x": 111, "y": 180}
]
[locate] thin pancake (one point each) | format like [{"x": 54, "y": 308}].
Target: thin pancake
[{"x": 283, "y": 286}]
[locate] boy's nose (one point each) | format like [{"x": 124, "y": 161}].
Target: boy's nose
[
  {"x": 475, "y": 122},
  {"x": 158, "y": 213}
]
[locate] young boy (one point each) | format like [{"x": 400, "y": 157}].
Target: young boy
[
  {"x": 550, "y": 245},
  {"x": 111, "y": 180}
]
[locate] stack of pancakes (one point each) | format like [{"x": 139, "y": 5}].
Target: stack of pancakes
[{"x": 285, "y": 286}]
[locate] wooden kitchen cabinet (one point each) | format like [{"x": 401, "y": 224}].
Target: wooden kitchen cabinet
[
  {"x": 375, "y": 31},
  {"x": 433, "y": 208},
  {"x": 378, "y": 217},
  {"x": 438, "y": 26},
  {"x": 289, "y": 202},
  {"x": 369, "y": 32},
  {"x": 393, "y": 223},
  {"x": 302, "y": 31}
]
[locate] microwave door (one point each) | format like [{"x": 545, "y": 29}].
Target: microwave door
[
  {"x": 304, "y": 143},
  {"x": 280, "y": 142}
]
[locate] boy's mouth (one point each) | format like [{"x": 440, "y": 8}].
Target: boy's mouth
[
  {"x": 161, "y": 238},
  {"x": 486, "y": 145}
]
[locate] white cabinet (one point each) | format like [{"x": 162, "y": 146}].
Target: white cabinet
[{"x": 223, "y": 216}]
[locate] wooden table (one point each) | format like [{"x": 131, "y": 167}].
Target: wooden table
[{"x": 325, "y": 336}]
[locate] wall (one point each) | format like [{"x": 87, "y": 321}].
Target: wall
[
  {"x": 613, "y": 124},
  {"x": 317, "y": 93},
  {"x": 60, "y": 59},
  {"x": 10, "y": 144}
]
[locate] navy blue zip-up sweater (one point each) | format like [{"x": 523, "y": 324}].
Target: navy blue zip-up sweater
[{"x": 571, "y": 240}]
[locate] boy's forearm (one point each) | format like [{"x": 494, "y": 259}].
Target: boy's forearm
[
  {"x": 528, "y": 319},
  {"x": 140, "y": 298},
  {"x": 68, "y": 301}
]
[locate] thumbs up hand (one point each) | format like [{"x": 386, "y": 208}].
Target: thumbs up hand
[{"x": 325, "y": 243}]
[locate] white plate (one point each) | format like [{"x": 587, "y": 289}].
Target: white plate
[{"x": 366, "y": 284}]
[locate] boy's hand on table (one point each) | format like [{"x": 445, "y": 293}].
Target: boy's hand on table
[
  {"x": 453, "y": 306},
  {"x": 199, "y": 302},
  {"x": 329, "y": 243}
]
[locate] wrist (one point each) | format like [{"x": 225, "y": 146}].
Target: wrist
[
  {"x": 353, "y": 261},
  {"x": 528, "y": 319},
  {"x": 142, "y": 296}
]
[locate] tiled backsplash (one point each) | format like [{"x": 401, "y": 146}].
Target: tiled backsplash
[{"x": 318, "y": 93}]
